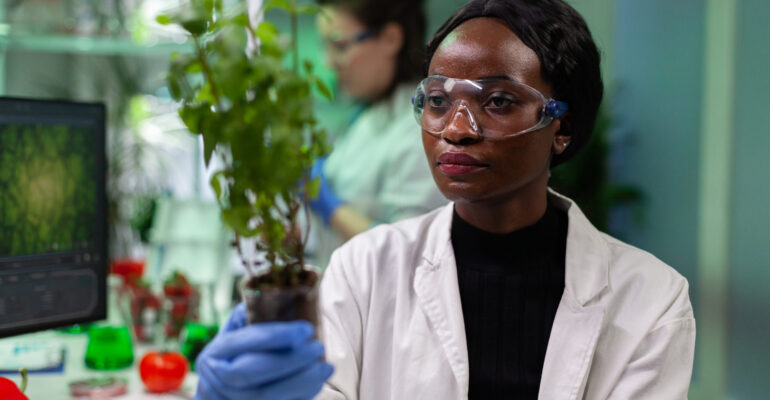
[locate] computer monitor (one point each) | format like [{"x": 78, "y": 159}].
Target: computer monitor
[{"x": 53, "y": 225}]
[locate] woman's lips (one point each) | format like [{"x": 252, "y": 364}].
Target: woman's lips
[{"x": 459, "y": 164}]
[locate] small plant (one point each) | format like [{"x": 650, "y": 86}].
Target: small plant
[{"x": 255, "y": 115}]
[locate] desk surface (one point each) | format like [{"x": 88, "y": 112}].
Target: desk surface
[{"x": 55, "y": 386}]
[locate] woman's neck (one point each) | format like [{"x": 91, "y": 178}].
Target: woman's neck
[{"x": 522, "y": 209}]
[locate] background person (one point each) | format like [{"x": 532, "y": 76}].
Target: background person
[
  {"x": 376, "y": 171},
  {"x": 508, "y": 292}
]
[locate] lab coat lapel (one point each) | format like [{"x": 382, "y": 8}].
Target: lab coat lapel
[
  {"x": 438, "y": 293},
  {"x": 570, "y": 351},
  {"x": 579, "y": 318}
]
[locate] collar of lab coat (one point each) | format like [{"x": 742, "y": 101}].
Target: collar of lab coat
[{"x": 576, "y": 325}]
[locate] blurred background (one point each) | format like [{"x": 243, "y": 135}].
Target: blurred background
[{"x": 677, "y": 165}]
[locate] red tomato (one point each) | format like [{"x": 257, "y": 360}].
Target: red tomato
[
  {"x": 128, "y": 268},
  {"x": 163, "y": 372},
  {"x": 9, "y": 391}
]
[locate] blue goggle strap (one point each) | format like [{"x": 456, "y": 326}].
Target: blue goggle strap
[{"x": 555, "y": 108}]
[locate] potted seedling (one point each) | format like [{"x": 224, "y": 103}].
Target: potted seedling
[{"x": 244, "y": 90}]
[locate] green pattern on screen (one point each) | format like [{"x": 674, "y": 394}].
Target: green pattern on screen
[{"x": 47, "y": 189}]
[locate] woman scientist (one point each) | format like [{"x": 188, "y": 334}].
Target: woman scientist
[
  {"x": 508, "y": 292},
  {"x": 377, "y": 171}
]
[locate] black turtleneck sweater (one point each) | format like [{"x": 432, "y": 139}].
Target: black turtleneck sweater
[{"x": 510, "y": 287}]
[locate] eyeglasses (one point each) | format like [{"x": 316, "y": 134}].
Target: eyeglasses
[
  {"x": 494, "y": 107},
  {"x": 336, "y": 46}
]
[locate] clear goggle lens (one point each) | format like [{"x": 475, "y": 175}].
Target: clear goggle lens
[{"x": 492, "y": 108}]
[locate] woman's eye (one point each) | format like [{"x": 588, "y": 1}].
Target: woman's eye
[
  {"x": 436, "y": 101},
  {"x": 500, "y": 102}
]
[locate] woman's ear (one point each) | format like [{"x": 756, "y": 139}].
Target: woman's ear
[
  {"x": 392, "y": 38},
  {"x": 563, "y": 136}
]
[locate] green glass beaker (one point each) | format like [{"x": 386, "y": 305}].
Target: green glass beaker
[
  {"x": 195, "y": 337},
  {"x": 109, "y": 347}
]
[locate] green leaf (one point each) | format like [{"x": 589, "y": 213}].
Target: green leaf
[
  {"x": 267, "y": 32},
  {"x": 241, "y": 20},
  {"x": 164, "y": 19},
  {"x": 205, "y": 95},
  {"x": 282, "y": 4},
  {"x": 321, "y": 86},
  {"x": 215, "y": 181},
  {"x": 194, "y": 18},
  {"x": 313, "y": 188},
  {"x": 208, "y": 6},
  {"x": 194, "y": 67},
  {"x": 196, "y": 27},
  {"x": 191, "y": 118},
  {"x": 271, "y": 50},
  {"x": 308, "y": 9},
  {"x": 230, "y": 43},
  {"x": 184, "y": 63},
  {"x": 174, "y": 89}
]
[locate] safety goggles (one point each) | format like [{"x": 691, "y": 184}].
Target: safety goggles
[
  {"x": 493, "y": 107},
  {"x": 336, "y": 46}
]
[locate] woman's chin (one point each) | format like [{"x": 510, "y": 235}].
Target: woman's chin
[{"x": 461, "y": 192}]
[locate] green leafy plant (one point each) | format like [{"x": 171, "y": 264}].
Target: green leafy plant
[{"x": 255, "y": 115}]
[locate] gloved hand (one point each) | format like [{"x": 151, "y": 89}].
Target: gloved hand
[
  {"x": 327, "y": 201},
  {"x": 271, "y": 360}
]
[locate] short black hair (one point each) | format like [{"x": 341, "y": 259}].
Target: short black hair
[
  {"x": 568, "y": 55},
  {"x": 410, "y": 14}
]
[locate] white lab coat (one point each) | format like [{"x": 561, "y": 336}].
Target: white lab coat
[{"x": 393, "y": 324}]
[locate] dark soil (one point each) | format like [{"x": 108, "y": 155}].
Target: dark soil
[{"x": 269, "y": 300}]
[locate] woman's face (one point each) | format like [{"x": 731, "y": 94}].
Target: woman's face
[
  {"x": 365, "y": 68},
  {"x": 467, "y": 167}
]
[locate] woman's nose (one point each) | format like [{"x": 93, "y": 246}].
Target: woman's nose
[{"x": 462, "y": 126}]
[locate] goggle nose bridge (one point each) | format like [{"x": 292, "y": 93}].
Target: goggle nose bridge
[{"x": 456, "y": 110}]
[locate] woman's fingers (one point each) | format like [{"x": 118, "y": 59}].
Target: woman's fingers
[
  {"x": 259, "y": 369},
  {"x": 304, "y": 384},
  {"x": 267, "y": 336}
]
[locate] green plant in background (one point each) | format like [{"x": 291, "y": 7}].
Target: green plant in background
[
  {"x": 585, "y": 178},
  {"x": 256, "y": 116},
  {"x": 143, "y": 216}
]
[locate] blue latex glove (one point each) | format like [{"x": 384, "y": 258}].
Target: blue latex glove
[
  {"x": 327, "y": 201},
  {"x": 272, "y": 360}
]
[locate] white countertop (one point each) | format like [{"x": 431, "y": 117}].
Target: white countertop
[{"x": 55, "y": 386}]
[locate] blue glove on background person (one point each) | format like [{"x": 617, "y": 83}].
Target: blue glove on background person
[
  {"x": 327, "y": 201},
  {"x": 271, "y": 360}
]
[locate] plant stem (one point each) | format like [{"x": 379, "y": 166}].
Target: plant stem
[
  {"x": 24, "y": 379},
  {"x": 295, "y": 228},
  {"x": 250, "y": 29},
  {"x": 244, "y": 261},
  {"x": 207, "y": 72}
]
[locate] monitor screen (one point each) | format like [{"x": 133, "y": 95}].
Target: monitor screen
[{"x": 53, "y": 229}]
